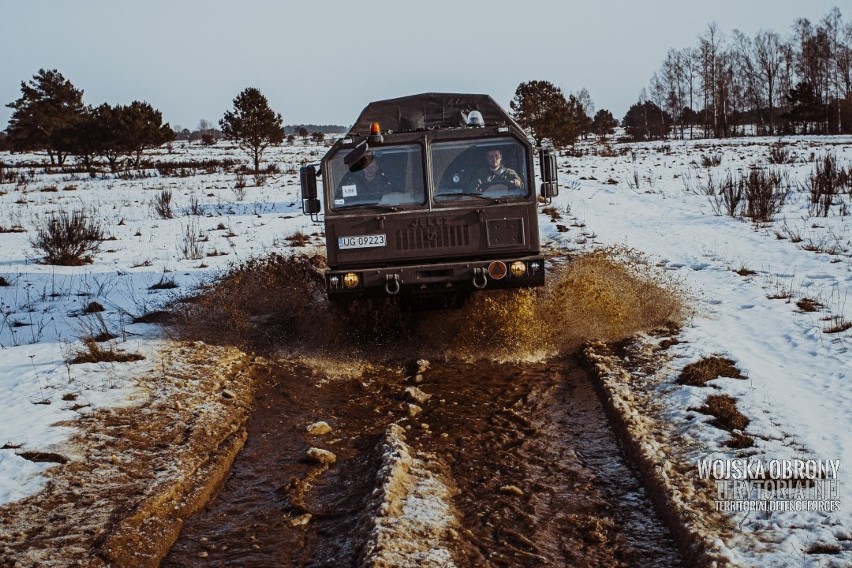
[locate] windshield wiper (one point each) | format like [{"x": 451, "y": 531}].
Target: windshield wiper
[
  {"x": 377, "y": 205},
  {"x": 467, "y": 193}
]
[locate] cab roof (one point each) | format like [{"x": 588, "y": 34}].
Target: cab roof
[{"x": 429, "y": 110}]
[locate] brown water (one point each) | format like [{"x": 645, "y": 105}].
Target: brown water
[{"x": 538, "y": 427}]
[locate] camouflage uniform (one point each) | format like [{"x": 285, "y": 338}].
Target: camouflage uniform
[{"x": 485, "y": 176}]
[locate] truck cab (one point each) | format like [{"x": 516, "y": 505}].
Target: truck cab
[{"x": 430, "y": 197}]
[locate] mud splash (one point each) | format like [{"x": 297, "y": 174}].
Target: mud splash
[
  {"x": 278, "y": 305},
  {"x": 532, "y": 471}
]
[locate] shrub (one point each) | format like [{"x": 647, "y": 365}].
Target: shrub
[
  {"x": 825, "y": 183},
  {"x": 69, "y": 239},
  {"x": 779, "y": 154},
  {"x": 190, "y": 245},
  {"x": 162, "y": 204},
  {"x": 725, "y": 196},
  {"x": 765, "y": 194},
  {"x": 711, "y": 161}
]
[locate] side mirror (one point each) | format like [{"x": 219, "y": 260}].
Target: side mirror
[
  {"x": 549, "y": 173},
  {"x": 308, "y": 180}
]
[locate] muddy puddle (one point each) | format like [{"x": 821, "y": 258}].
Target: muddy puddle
[{"x": 529, "y": 470}]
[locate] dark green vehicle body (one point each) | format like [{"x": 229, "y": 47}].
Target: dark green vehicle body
[{"x": 433, "y": 229}]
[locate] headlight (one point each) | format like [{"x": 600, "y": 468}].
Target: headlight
[
  {"x": 518, "y": 268},
  {"x": 351, "y": 280}
]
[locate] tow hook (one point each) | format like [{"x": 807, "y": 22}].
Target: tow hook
[
  {"x": 479, "y": 280},
  {"x": 392, "y": 284}
]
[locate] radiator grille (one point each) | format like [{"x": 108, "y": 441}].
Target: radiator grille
[{"x": 425, "y": 238}]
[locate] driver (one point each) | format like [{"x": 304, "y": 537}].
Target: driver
[{"x": 496, "y": 172}]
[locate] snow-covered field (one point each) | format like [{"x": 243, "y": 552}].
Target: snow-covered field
[
  {"x": 797, "y": 394},
  {"x": 745, "y": 280}
]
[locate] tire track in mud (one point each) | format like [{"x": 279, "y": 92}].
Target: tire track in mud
[{"x": 520, "y": 457}]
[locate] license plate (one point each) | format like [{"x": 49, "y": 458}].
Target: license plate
[{"x": 361, "y": 241}]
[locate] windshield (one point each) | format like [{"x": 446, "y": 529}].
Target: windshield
[
  {"x": 493, "y": 168},
  {"x": 386, "y": 176}
]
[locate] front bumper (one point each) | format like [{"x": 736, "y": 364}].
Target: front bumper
[{"x": 437, "y": 278}]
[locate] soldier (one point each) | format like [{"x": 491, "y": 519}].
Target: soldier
[
  {"x": 496, "y": 173},
  {"x": 365, "y": 180}
]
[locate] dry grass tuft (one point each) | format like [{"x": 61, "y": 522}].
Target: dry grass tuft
[
  {"x": 299, "y": 239},
  {"x": 723, "y": 408},
  {"x": 836, "y": 324},
  {"x": 808, "y": 305},
  {"x": 699, "y": 373},
  {"x": 740, "y": 441},
  {"x": 94, "y": 353}
]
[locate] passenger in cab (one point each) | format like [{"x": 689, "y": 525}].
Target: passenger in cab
[
  {"x": 365, "y": 180},
  {"x": 494, "y": 172}
]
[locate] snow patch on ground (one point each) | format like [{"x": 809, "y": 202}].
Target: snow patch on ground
[{"x": 412, "y": 512}]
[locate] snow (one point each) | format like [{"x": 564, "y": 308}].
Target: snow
[{"x": 795, "y": 394}]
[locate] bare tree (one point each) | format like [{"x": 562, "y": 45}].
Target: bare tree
[
  {"x": 709, "y": 47},
  {"x": 673, "y": 80},
  {"x": 585, "y": 100},
  {"x": 832, "y": 26},
  {"x": 769, "y": 57}
]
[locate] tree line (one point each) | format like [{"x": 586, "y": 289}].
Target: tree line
[
  {"x": 767, "y": 84},
  {"x": 724, "y": 86},
  {"x": 50, "y": 115}
]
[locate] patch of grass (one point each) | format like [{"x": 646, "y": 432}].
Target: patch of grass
[
  {"x": 744, "y": 271},
  {"x": 823, "y": 548},
  {"x": 93, "y": 307},
  {"x": 299, "y": 239},
  {"x": 92, "y": 352},
  {"x": 554, "y": 213},
  {"x": 836, "y": 324},
  {"x": 723, "y": 408},
  {"x": 699, "y": 373},
  {"x": 164, "y": 284},
  {"x": 808, "y": 305},
  {"x": 740, "y": 441},
  {"x": 711, "y": 160}
]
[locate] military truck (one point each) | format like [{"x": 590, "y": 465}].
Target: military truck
[{"x": 430, "y": 198}]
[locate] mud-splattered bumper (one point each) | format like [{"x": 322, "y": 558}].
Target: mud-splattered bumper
[{"x": 449, "y": 278}]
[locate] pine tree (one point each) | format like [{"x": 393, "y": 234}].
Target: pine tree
[
  {"x": 44, "y": 115},
  {"x": 541, "y": 107},
  {"x": 252, "y": 124}
]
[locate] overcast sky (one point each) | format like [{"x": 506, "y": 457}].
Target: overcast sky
[{"x": 320, "y": 62}]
